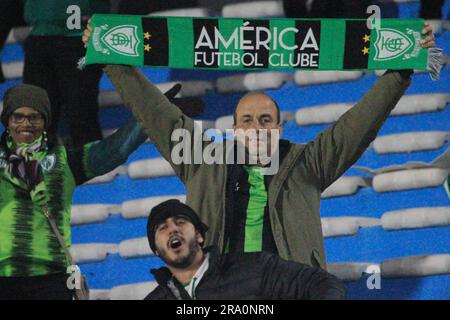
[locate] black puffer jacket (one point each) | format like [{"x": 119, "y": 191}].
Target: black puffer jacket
[{"x": 251, "y": 276}]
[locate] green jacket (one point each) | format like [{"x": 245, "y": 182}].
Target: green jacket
[
  {"x": 306, "y": 171},
  {"x": 28, "y": 246}
]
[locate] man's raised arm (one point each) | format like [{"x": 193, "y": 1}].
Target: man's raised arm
[
  {"x": 156, "y": 115},
  {"x": 337, "y": 148}
]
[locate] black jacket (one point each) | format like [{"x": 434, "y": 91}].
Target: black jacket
[{"x": 251, "y": 276}]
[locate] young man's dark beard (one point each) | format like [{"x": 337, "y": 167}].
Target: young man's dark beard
[{"x": 182, "y": 262}]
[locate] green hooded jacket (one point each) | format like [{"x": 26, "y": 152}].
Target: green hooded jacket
[{"x": 28, "y": 246}]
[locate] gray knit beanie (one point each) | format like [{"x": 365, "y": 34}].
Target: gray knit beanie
[{"x": 26, "y": 95}]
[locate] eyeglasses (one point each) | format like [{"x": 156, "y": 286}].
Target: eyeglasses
[{"x": 35, "y": 118}]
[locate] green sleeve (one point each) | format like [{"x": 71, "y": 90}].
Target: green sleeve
[
  {"x": 100, "y": 157},
  {"x": 103, "y": 156}
]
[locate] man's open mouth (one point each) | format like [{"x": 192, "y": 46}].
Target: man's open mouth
[{"x": 175, "y": 243}]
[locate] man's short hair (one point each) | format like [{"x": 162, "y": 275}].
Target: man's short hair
[{"x": 254, "y": 93}]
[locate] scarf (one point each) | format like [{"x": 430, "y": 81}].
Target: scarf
[
  {"x": 23, "y": 163},
  {"x": 260, "y": 44}
]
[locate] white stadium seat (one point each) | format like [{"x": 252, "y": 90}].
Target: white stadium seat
[
  {"x": 403, "y": 267},
  {"x": 150, "y": 168},
  {"x": 18, "y": 34},
  {"x": 441, "y": 162},
  {"x": 135, "y": 248},
  {"x": 92, "y": 213},
  {"x": 410, "y": 104},
  {"x": 92, "y": 252},
  {"x": 420, "y": 103},
  {"x": 352, "y": 271},
  {"x": 254, "y": 81},
  {"x": 318, "y": 77},
  {"x": 346, "y": 226},
  {"x": 344, "y": 186},
  {"x": 321, "y": 114},
  {"x": 416, "y": 266},
  {"x": 409, "y": 179},
  {"x": 110, "y": 176},
  {"x": 12, "y": 70},
  {"x": 416, "y": 218},
  {"x": 140, "y": 208},
  {"x": 410, "y": 141}
]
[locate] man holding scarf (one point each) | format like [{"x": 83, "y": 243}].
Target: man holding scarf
[{"x": 247, "y": 211}]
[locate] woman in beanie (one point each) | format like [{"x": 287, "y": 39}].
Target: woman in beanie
[{"x": 37, "y": 175}]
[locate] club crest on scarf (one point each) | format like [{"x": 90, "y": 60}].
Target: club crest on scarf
[
  {"x": 391, "y": 44},
  {"x": 121, "y": 39}
]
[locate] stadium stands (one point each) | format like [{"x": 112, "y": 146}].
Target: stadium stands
[{"x": 395, "y": 223}]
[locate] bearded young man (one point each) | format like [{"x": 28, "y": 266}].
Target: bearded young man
[{"x": 176, "y": 235}]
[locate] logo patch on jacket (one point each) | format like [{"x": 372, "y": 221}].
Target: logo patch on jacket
[
  {"x": 3, "y": 162},
  {"x": 48, "y": 163}
]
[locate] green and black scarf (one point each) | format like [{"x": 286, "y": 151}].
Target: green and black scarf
[{"x": 260, "y": 44}]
